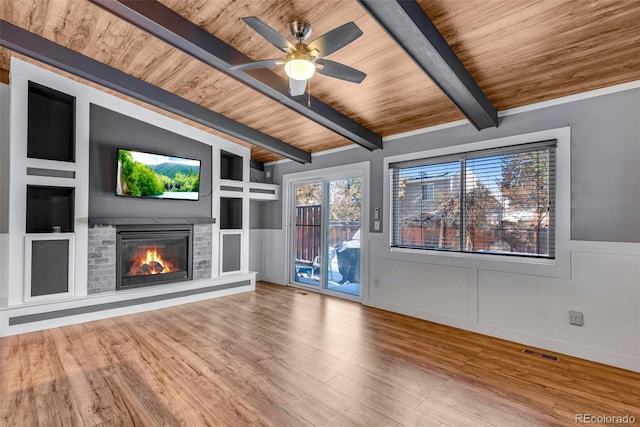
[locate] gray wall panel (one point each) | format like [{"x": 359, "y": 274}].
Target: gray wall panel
[
  {"x": 255, "y": 214},
  {"x": 49, "y": 267},
  {"x": 231, "y": 256},
  {"x": 110, "y": 131},
  {"x": 50, "y": 172},
  {"x": 605, "y": 159}
]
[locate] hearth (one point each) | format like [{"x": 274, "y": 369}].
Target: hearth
[{"x": 153, "y": 254}]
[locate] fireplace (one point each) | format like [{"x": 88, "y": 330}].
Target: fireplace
[{"x": 149, "y": 255}]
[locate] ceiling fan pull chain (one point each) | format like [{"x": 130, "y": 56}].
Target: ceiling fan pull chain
[{"x": 309, "y": 93}]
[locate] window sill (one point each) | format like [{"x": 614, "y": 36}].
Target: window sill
[
  {"x": 479, "y": 256},
  {"x": 559, "y": 267}
]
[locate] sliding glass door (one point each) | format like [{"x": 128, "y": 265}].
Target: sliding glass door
[
  {"x": 342, "y": 238},
  {"x": 326, "y": 234},
  {"x": 307, "y": 232}
]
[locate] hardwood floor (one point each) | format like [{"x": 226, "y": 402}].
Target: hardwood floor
[{"x": 284, "y": 357}]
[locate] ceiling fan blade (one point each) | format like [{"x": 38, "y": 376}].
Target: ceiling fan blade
[
  {"x": 269, "y": 34},
  {"x": 258, "y": 64},
  {"x": 335, "y": 39},
  {"x": 340, "y": 71},
  {"x": 297, "y": 87}
]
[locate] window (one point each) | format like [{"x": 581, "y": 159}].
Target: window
[
  {"x": 428, "y": 191},
  {"x": 495, "y": 201}
]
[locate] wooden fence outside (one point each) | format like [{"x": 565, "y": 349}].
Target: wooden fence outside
[
  {"x": 518, "y": 240},
  {"x": 309, "y": 232}
]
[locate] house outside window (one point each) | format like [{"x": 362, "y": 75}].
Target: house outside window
[
  {"x": 428, "y": 191},
  {"x": 495, "y": 201}
]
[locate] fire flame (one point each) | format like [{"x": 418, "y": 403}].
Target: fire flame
[{"x": 150, "y": 263}]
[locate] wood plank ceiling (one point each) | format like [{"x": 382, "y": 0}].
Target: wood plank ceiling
[{"x": 519, "y": 52}]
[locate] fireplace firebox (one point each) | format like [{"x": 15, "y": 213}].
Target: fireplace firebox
[{"x": 153, "y": 254}]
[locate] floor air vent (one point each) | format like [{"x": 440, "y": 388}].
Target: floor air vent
[
  {"x": 541, "y": 355},
  {"x": 549, "y": 357}
]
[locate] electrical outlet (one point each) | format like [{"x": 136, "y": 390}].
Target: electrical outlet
[
  {"x": 268, "y": 174},
  {"x": 576, "y": 318},
  {"x": 376, "y": 282},
  {"x": 376, "y": 225}
]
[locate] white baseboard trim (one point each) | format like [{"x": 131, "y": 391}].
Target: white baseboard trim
[
  {"x": 591, "y": 354},
  {"x": 33, "y": 317},
  {"x": 456, "y": 322},
  {"x": 582, "y": 352},
  {"x": 273, "y": 280}
]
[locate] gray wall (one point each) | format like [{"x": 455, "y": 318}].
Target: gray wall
[
  {"x": 261, "y": 214},
  {"x": 605, "y": 162},
  {"x": 255, "y": 214},
  {"x": 108, "y": 132},
  {"x": 4, "y": 158}
]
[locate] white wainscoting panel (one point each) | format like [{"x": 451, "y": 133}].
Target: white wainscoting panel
[{"x": 603, "y": 283}]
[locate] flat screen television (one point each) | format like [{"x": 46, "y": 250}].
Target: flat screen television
[{"x": 156, "y": 176}]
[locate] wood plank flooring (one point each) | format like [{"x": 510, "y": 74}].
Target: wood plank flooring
[{"x": 283, "y": 357}]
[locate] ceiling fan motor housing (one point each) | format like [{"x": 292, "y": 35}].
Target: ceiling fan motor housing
[{"x": 300, "y": 30}]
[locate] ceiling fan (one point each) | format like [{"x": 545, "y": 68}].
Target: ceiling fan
[{"x": 303, "y": 60}]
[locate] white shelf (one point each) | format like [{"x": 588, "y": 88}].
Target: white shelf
[{"x": 259, "y": 191}]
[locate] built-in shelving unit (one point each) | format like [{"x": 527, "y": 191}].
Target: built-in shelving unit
[
  {"x": 234, "y": 194},
  {"x": 50, "y": 193},
  {"x": 233, "y": 214}
]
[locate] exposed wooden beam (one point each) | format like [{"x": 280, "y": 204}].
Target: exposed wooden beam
[
  {"x": 406, "y": 22},
  {"x": 48, "y": 52},
  {"x": 162, "y": 22}
]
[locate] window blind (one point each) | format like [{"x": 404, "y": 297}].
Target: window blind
[{"x": 498, "y": 201}]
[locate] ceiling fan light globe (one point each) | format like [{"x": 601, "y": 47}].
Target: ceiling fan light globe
[{"x": 299, "y": 68}]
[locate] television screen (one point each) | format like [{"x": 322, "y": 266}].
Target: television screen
[{"x": 157, "y": 176}]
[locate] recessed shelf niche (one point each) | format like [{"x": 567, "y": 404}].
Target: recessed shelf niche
[
  {"x": 49, "y": 207},
  {"x": 230, "y": 166},
  {"x": 230, "y": 213},
  {"x": 51, "y": 124}
]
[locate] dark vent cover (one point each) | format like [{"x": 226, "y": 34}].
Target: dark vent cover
[{"x": 540, "y": 355}]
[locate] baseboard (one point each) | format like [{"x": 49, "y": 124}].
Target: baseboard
[
  {"x": 581, "y": 352},
  {"x": 34, "y": 317},
  {"x": 591, "y": 354}
]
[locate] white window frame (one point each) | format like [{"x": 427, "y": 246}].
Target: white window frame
[{"x": 558, "y": 267}]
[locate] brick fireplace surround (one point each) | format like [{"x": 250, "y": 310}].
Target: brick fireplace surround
[{"x": 101, "y": 270}]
